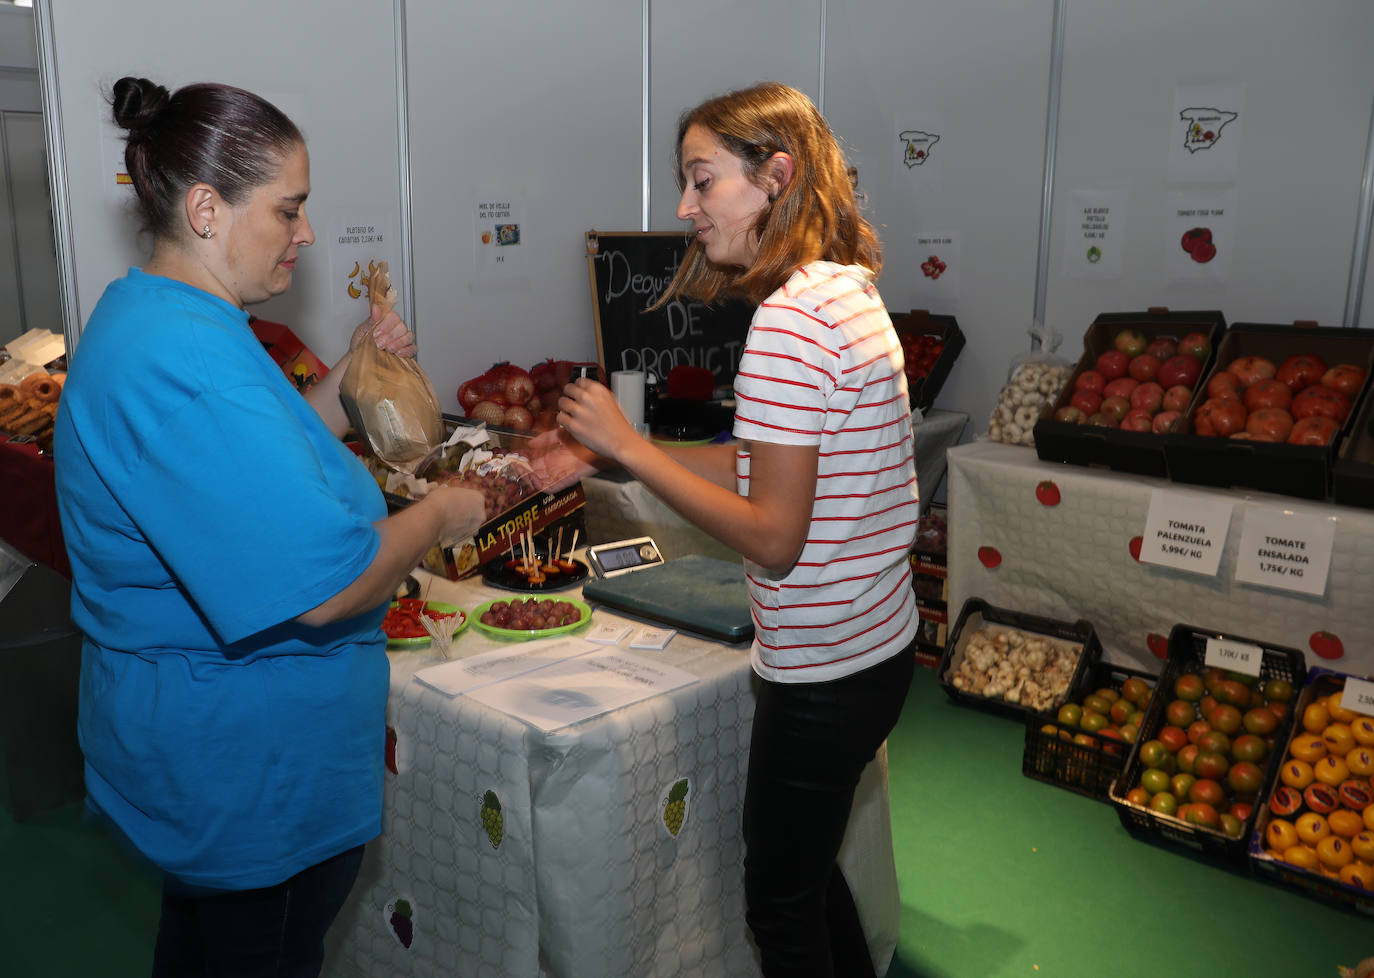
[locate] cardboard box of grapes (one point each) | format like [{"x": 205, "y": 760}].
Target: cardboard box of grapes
[{"x": 515, "y": 505}]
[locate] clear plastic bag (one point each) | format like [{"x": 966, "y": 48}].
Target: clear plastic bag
[
  {"x": 1033, "y": 384},
  {"x": 388, "y": 398}
]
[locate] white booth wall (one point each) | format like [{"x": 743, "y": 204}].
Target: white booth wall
[{"x": 541, "y": 105}]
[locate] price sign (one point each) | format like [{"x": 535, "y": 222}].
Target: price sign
[
  {"x": 1358, "y": 696},
  {"x": 1239, "y": 657}
]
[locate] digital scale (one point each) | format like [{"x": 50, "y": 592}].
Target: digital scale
[{"x": 695, "y": 593}]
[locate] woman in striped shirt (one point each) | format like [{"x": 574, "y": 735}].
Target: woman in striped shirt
[{"x": 818, "y": 492}]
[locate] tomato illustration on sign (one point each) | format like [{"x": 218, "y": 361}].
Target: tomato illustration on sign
[
  {"x": 989, "y": 557},
  {"x": 1198, "y": 243},
  {"x": 933, "y": 267},
  {"x": 1326, "y": 644},
  {"x": 1047, "y": 493}
]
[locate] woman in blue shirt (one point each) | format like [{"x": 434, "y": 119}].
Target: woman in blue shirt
[{"x": 231, "y": 559}]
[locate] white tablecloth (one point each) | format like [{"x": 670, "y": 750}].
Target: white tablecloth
[
  {"x": 586, "y": 879},
  {"x": 1073, "y": 560}
]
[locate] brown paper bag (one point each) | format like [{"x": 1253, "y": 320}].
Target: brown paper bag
[{"x": 388, "y": 398}]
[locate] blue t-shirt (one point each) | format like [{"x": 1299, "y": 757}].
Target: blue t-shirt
[{"x": 206, "y": 505}]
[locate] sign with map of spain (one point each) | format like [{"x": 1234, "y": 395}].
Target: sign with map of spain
[
  {"x": 1204, "y": 132},
  {"x": 922, "y": 153}
]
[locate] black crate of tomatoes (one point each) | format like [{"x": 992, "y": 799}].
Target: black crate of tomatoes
[
  {"x": 1015, "y": 664},
  {"x": 1138, "y": 374},
  {"x": 1352, "y": 474},
  {"x": 930, "y": 345},
  {"x": 1315, "y": 831},
  {"x": 1083, "y": 746},
  {"x": 1205, "y": 756},
  {"x": 1273, "y": 409}
]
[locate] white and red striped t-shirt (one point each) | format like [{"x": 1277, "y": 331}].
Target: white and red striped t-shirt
[{"x": 822, "y": 366}]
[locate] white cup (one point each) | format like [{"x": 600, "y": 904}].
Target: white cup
[{"x": 628, "y": 388}]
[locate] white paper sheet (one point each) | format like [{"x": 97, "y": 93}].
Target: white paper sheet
[
  {"x": 581, "y": 688},
  {"x": 473, "y": 672}
]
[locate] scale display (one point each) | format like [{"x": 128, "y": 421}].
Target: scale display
[{"x": 623, "y": 556}]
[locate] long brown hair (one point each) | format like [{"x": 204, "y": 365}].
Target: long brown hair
[{"x": 815, "y": 216}]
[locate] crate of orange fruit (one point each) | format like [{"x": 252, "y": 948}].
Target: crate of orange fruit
[
  {"x": 1315, "y": 832},
  {"x": 1206, "y": 752}
]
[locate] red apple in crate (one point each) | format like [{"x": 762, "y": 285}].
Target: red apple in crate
[
  {"x": 1086, "y": 401},
  {"x": 1115, "y": 407},
  {"x": 1196, "y": 345},
  {"x": 1143, "y": 367},
  {"x": 1112, "y": 364},
  {"x": 1251, "y": 369},
  {"x": 1148, "y": 397},
  {"x": 1121, "y": 387},
  {"x": 1315, "y": 430},
  {"x": 1090, "y": 380},
  {"x": 1301, "y": 370},
  {"x": 1318, "y": 399},
  {"x": 1269, "y": 424},
  {"x": 1131, "y": 342},
  {"x": 1182, "y": 369},
  {"x": 1268, "y": 393},
  {"x": 1137, "y": 419},
  {"x": 1163, "y": 422},
  {"x": 1162, "y": 348},
  {"x": 1177, "y": 398},
  {"x": 1344, "y": 377},
  {"x": 1224, "y": 382}
]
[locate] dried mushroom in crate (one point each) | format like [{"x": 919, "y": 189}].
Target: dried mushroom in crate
[{"x": 1019, "y": 667}]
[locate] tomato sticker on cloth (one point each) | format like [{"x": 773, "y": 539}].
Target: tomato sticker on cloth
[
  {"x": 1048, "y": 493},
  {"x": 391, "y": 749},
  {"x": 990, "y": 557},
  {"x": 1326, "y": 644},
  {"x": 1134, "y": 546},
  {"x": 1159, "y": 645}
]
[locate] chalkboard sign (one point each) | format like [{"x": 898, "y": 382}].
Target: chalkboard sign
[{"x": 629, "y": 270}]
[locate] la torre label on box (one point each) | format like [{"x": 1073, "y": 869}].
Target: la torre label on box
[
  {"x": 1283, "y": 548},
  {"x": 1185, "y": 531},
  {"x": 1241, "y": 657},
  {"x": 1358, "y": 695}
]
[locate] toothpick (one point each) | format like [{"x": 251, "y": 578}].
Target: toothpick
[
  {"x": 574, "y": 544},
  {"x": 558, "y": 554}
]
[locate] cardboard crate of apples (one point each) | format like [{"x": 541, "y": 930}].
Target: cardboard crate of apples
[
  {"x": 1137, "y": 376},
  {"x": 1083, "y": 746},
  {"x": 1207, "y": 752},
  {"x": 1316, "y": 829},
  {"x": 1272, "y": 409}
]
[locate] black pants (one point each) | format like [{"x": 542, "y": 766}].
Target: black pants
[
  {"x": 810, "y": 744},
  {"x": 275, "y": 932}
]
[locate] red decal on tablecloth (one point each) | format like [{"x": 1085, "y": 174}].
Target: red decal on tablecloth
[
  {"x": 989, "y": 556},
  {"x": 492, "y": 820},
  {"x": 1158, "y": 644},
  {"x": 1135, "y": 545},
  {"x": 1327, "y": 645},
  {"x": 675, "y": 807},
  {"x": 1048, "y": 493},
  {"x": 391, "y": 749},
  {"x": 398, "y": 916}
]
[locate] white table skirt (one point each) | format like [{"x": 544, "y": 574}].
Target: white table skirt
[
  {"x": 586, "y": 882},
  {"x": 1073, "y": 560}
]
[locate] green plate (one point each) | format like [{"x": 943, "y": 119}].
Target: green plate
[
  {"x": 437, "y": 609},
  {"x": 519, "y": 635}
]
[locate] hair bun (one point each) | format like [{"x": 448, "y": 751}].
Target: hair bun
[{"x": 138, "y": 102}]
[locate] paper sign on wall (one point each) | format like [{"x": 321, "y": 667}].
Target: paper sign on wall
[
  {"x": 356, "y": 244},
  {"x": 1285, "y": 549},
  {"x": 502, "y": 242},
  {"x": 937, "y": 257},
  {"x": 1185, "y": 531},
  {"x": 1199, "y": 237},
  {"x": 1205, "y": 132},
  {"x": 1095, "y": 234}
]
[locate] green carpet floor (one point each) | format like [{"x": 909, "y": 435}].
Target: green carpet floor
[{"x": 1000, "y": 875}]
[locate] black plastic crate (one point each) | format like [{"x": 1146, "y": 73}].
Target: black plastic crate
[
  {"x": 1264, "y": 863},
  {"x": 1187, "y": 654},
  {"x": 1352, "y": 474},
  {"x": 1138, "y": 452},
  {"x": 1089, "y": 764},
  {"x": 915, "y": 324},
  {"x": 977, "y": 613},
  {"x": 1293, "y": 470}
]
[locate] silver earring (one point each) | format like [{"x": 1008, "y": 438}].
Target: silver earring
[{"x": 207, "y": 234}]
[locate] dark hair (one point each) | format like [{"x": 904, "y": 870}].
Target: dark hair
[
  {"x": 205, "y": 133},
  {"x": 815, "y": 216}
]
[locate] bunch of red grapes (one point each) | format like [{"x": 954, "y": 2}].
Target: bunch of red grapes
[{"x": 530, "y": 614}]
